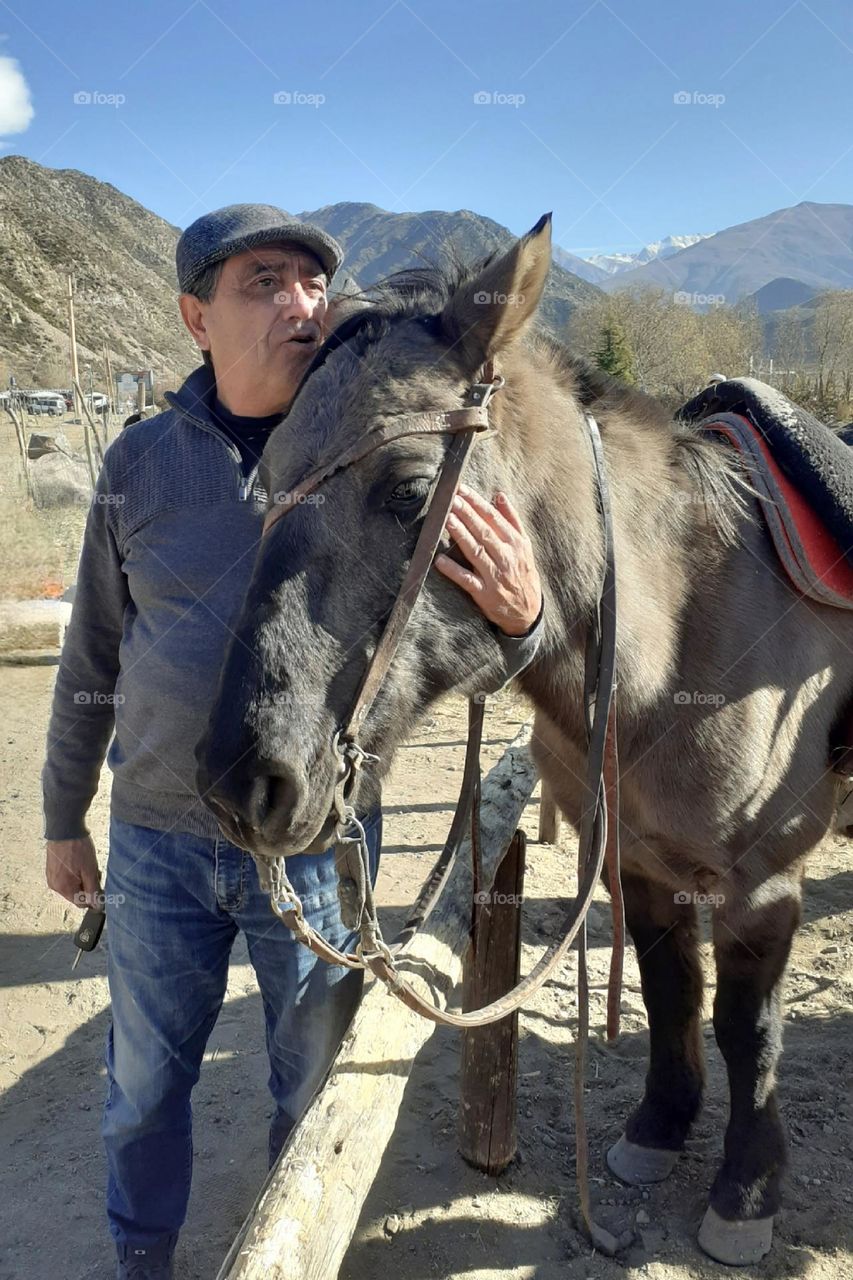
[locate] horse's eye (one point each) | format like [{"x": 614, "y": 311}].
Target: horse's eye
[{"x": 409, "y": 493}]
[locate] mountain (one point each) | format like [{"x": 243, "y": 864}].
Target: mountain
[
  {"x": 56, "y": 221},
  {"x": 613, "y": 263},
  {"x": 780, "y": 294},
  {"x": 810, "y": 243},
  {"x": 586, "y": 269},
  {"x": 378, "y": 243},
  {"x": 53, "y": 221}
]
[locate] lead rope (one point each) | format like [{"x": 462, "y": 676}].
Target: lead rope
[
  {"x": 613, "y": 857},
  {"x": 601, "y": 652}
]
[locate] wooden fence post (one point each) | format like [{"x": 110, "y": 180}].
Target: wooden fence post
[
  {"x": 488, "y": 1135},
  {"x": 549, "y": 816}
]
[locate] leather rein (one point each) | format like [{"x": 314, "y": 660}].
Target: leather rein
[{"x": 464, "y": 425}]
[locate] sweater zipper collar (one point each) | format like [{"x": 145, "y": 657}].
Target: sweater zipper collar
[{"x": 244, "y": 483}]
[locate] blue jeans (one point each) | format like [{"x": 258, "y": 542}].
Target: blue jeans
[{"x": 174, "y": 905}]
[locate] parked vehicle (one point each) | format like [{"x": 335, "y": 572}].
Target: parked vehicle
[
  {"x": 96, "y": 401},
  {"x": 49, "y": 403}
]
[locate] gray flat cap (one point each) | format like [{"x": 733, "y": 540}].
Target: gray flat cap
[{"x": 220, "y": 234}]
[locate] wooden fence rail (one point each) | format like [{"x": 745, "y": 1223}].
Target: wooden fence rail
[{"x": 304, "y": 1218}]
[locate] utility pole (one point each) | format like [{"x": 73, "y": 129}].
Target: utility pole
[
  {"x": 111, "y": 387},
  {"x": 72, "y": 334},
  {"x": 111, "y": 390}
]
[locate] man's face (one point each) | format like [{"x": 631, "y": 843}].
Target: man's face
[{"x": 263, "y": 325}]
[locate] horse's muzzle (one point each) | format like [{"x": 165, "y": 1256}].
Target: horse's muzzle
[{"x": 270, "y": 811}]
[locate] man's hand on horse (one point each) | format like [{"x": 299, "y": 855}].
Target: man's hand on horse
[{"x": 500, "y": 575}]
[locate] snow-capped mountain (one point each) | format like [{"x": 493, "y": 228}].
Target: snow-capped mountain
[
  {"x": 809, "y": 242},
  {"x": 613, "y": 263}
]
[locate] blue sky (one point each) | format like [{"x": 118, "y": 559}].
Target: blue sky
[{"x": 582, "y": 117}]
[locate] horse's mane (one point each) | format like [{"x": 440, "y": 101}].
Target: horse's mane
[
  {"x": 421, "y": 294},
  {"x": 414, "y": 293}
]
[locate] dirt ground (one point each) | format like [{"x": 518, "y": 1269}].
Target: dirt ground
[{"x": 427, "y": 1214}]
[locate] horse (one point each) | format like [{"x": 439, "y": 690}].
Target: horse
[{"x": 731, "y": 685}]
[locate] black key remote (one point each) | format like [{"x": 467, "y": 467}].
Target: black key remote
[{"x": 88, "y": 934}]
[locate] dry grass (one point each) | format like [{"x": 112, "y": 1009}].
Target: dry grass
[{"x": 38, "y": 549}]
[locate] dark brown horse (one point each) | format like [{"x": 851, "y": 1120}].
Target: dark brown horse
[{"x": 730, "y": 684}]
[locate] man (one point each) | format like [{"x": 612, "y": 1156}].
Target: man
[{"x": 167, "y": 551}]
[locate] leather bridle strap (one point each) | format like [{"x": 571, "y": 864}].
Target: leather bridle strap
[
  {"x": 438, "y": 876},
  {"x": 473, "y": 418},
  {"x": 412, "y": 585}
]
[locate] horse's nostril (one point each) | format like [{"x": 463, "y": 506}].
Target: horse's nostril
[
  {"x": 267, "y": 794},
  {"x": 256, "y": 804},
  {"x": 253, "y": 796}
]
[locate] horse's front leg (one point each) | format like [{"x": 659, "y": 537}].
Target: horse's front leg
[
  {"x": 664, "y": 929},
  {"x": 752, "y": 941}
]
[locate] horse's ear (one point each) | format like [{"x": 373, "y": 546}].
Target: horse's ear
[
  {"x": 341, "y": 307},
  {"x": 487, "y": 313}
]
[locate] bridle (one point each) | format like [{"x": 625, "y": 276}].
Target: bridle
[
  {"x": 465, "y": 425},
  {"x": 598, "y": 843}
]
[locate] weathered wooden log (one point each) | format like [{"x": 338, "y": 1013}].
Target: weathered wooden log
[
  {"x": 32, "y": 627},
  {"x": 488, "y": 1090},
  {"x": 304, "y": 1218},
  {"x": 549, "y": 817}
]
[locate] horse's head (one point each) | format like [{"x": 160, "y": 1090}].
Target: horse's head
[{"x": 328, "y": 572}]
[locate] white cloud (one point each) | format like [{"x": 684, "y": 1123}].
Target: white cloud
[{"x": 16, "y": 109}]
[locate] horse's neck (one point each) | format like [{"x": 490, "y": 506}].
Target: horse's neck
[{"x": 653, "y": 529}]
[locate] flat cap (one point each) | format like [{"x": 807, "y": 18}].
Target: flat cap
[{"x": 218, "y": 235}]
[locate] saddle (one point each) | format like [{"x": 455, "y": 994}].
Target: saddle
[{"x": 802, "y": 471}]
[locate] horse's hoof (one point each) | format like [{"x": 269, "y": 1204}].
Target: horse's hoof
[
  {"x": 638, "y": 1165},
  {"x": 737, "y": 1243}
]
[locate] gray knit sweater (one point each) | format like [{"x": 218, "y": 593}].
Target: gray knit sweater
[{"x": 168, "y": 550}]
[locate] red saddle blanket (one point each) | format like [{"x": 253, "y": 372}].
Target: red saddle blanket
[{"x": 811, "y": 555}]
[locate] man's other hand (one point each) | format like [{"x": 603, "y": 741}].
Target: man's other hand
[{"x": 72, "y": 870}]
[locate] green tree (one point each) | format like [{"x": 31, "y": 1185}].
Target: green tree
[{"x": 614, "y": 354}]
